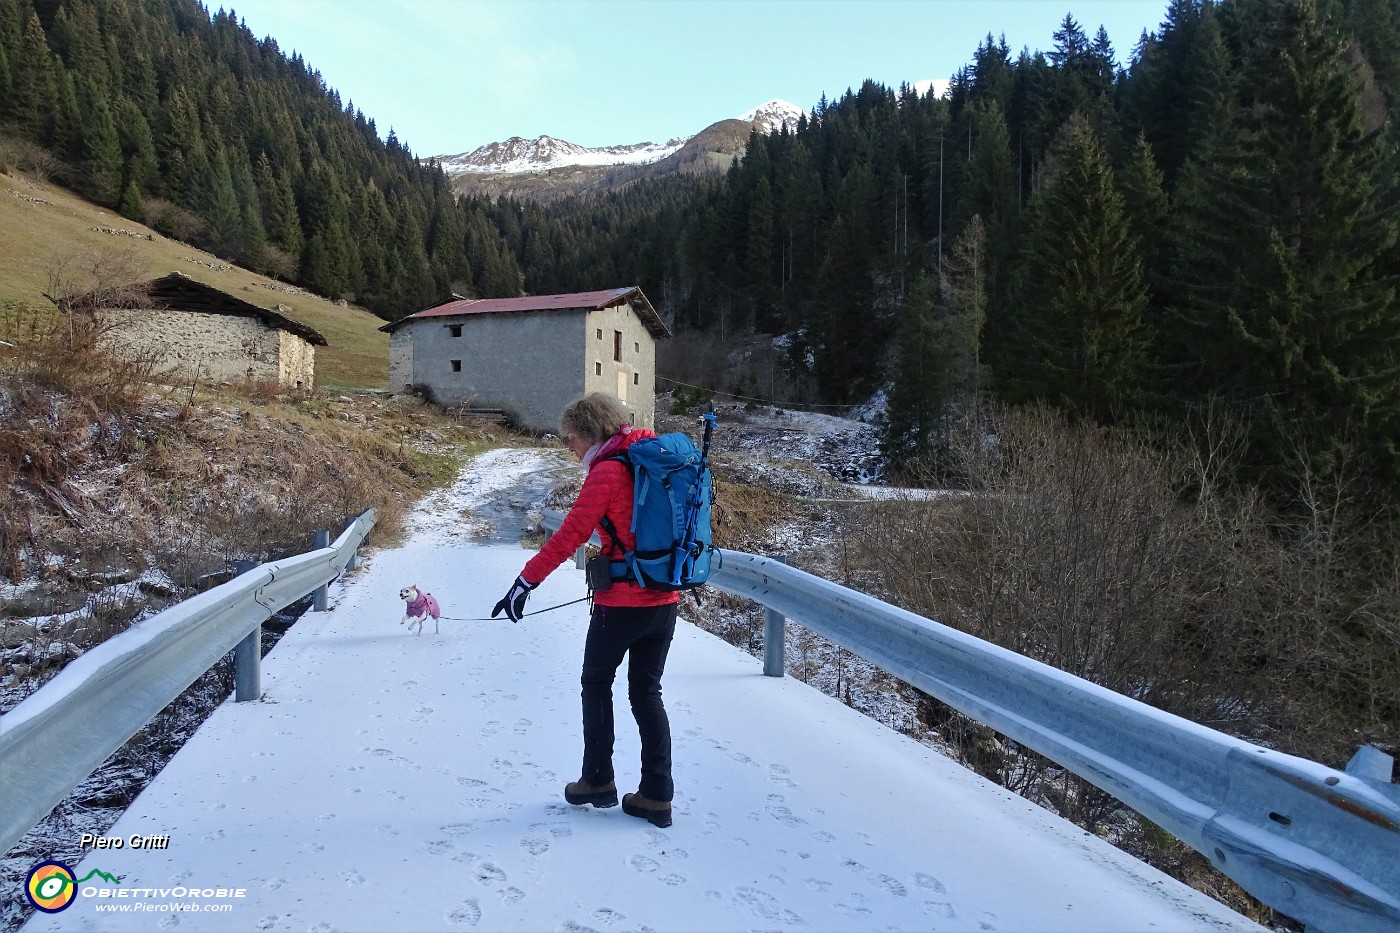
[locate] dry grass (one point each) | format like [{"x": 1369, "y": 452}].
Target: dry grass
[
  {"x": 110, "y": 478},
  {"x": 42, "y": 224}
]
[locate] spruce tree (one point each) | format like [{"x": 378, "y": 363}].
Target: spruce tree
[
  {"x": 1309, "y": 322},
  {"x": 1146, "y": 211},
  {"x": 918, "y": 391},
  {"x": 34, "y": 93},
  {"x": 100, "y": 150},
  {"x": 760, "y": 250},
  {"x": 1077, "y": 331},
  {"x": 131, "y": 204},
  {"x": 6, "y": 88},
  {"x": 138, "y": 147},
  {"x": 222, "y": 215}
]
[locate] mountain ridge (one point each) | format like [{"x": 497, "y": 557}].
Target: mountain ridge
[{"x": 545, "y": 153}]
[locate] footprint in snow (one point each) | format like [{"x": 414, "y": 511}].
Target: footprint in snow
[
  {"x": 892, "y": 885},
  {"x": 785, "y": 816},
  {"x": 488, "y": 873},
  {"x": 607, "y": 916},
  {"x": 535, "y": 846},
  {"x": 468, "y": 912},
  {"x": 642, "y": 864},
  {"x": 764, "y": 905},
  {"x": 929, "y": 883}
]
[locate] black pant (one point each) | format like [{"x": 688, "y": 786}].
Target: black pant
[{"x": 643, "y": 635}]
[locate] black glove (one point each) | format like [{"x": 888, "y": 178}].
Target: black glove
[{"x": 513, "y": 605}]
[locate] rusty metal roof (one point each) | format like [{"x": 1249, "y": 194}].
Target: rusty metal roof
[{"x": 591, "y": 301}]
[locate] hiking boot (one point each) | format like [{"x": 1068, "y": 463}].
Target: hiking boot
[
  {"x": 655, "y": 812},
  {"x": 600, "y": 795}
]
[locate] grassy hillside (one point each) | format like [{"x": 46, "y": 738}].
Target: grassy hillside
[{"x": 41, "y": 225}]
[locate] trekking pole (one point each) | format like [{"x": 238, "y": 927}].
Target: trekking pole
[
  {"x": 689, "y": 550},
  {"x": 710, "y": 421}
]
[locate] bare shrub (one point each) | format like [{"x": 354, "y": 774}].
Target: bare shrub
[
  {"x": 277, "y": 263},
  {"x": 171, "y": 220},
  {"x": 88, "y": 279},
  {"x": 1334, "y": 599},
  {"x": 29, "y": 158},
  {"x": 1076, "y": 548}
]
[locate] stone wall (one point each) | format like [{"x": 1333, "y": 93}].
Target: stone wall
[
  {"x": 529, "y": 363},
  {"x": 217, "y": 347},
  {"x": 401, "y": 358},
  {"x": 298, "y": 359},
  {"x": 631, "y": 378}
]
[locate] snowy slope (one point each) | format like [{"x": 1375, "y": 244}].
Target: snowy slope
[
  {"x": 393, "y": 782},
  {"x": 543, "y": 153}
]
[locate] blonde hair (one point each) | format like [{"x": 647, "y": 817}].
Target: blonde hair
[{"x": 595, "y": 417}]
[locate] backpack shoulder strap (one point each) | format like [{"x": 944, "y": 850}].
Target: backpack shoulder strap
[{"x": 607, "y": 523}]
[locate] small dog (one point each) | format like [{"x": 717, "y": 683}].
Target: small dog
[{"x": 420, "y": 606}]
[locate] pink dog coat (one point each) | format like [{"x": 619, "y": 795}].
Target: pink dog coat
[{"x": 424, "y": 603}]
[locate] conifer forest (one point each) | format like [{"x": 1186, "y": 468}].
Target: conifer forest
[
  {"x": 1213, "y": 227},
  {"x": 1208, "y": 236}
]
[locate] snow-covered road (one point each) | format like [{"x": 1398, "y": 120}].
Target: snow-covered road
[{"x": 393, "y": 782}]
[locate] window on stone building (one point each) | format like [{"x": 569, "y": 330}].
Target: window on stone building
[
  {"x": 617, "y": 345},
  {"x": 636, "y": 379},
  {"x": 456, "y": 366},
  {"x": 597, "y": 369},
  {"x": 454, "y": 329}
]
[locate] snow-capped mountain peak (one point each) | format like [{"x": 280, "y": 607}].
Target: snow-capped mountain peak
[
  {"x": 517, "y": 156},
  {"x": 545, "y": 152},
  {"x": 774, "y": 115}
]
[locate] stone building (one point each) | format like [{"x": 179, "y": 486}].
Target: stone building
[
  {"x": 529, "y": 357},
  {"x": 195, "y": 330}
]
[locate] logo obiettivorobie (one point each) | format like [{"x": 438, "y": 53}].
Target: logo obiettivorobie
[{"x": 51, "y": 886}]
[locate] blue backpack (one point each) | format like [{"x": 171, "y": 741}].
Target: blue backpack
[{"x": 671, "y": 495}]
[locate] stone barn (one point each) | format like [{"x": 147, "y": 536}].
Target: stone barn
[
  {"x": 529, "y": 357},
  {"x": 196, "y": 329}
]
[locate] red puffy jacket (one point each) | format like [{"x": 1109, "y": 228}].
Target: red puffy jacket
[{"x": 607, "y": 490}]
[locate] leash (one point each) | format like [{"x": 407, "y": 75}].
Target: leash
[{"x": 525, "y": 615}]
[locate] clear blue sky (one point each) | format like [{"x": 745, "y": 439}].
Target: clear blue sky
[{"x": 450, "y": 75}]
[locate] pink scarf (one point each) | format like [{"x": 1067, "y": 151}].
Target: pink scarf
[{"x": 605, "y": 449}]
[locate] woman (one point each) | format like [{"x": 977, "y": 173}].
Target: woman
[{"x": 627, "y": 621}]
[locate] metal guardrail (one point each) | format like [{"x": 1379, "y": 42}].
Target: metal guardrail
[
  {"x": 55, "y": 738},
  {"x": 1319, "y": 845}
]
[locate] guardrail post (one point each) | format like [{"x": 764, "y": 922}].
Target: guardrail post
[
  {"x": 320, "y": 539},
  {"x": 774, "y": 643},
  {"x": 1372, "y": 764},
  {"x": 247, "y": 656}
]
